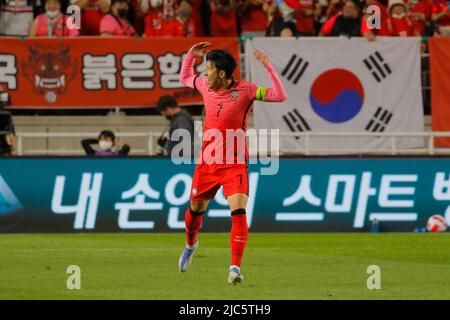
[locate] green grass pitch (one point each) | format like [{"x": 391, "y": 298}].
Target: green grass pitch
[{"x": 276, "y": 266}]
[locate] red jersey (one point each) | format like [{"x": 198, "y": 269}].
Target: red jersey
[
  {"x": 305, "y": 24},
  {"x": 181, "y": 29},
  {"x": 223, "y": 24},
  {"x": 400, "y": 27},
  {"x": 227, "y": 112},
  {"x": 226, "y": 109},
  {"x": 420, "y": 10},
  {"x": 157, "y": 26},
  {"x": 254, "y": 18},
  {"x": 91, "y": 17}
]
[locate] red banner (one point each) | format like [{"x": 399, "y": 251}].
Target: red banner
[
  {"x": 98, "y": 72},
  {"x": 440, "y": 87}
]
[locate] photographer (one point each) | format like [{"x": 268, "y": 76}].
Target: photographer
[
  {"x": 179, "y": 119},
  {"x": 7, "y": 132}
]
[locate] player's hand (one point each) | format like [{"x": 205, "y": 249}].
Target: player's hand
[
  {"x": 199, "y": 49},
  {"x": 261, "y": 57}
]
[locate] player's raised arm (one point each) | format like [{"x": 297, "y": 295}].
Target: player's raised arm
[
  {"x": 187, "y": 74},
  {"x": 276, "y": 93}
]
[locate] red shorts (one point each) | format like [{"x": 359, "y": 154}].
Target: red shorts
[{"x": 205, "y": 183}]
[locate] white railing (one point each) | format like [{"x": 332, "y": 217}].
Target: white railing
[
  {"x": 308, "y": 143},
  {"x": 20, "y": 136},
  {"x": 429, "y": 149}
]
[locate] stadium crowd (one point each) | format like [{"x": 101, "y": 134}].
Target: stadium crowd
[{"x": 225, "y": 18}]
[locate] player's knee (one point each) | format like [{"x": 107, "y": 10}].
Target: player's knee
[{"x": 198, "y": 206}]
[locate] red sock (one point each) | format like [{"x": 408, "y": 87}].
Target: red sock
[
  {"x": 238, "y": 236},
  {"x": 193, "y": 222}
]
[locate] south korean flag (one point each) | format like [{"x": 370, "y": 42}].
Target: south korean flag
[{"x": 342, "y": 85}]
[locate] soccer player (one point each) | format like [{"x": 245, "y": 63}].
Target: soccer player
[{"x": 228, "y": 103}]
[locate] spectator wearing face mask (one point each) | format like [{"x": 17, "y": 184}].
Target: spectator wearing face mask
[
  {"x": 117, "y": 22},
  {"x": 179, "y": 119},
  {"x": 92, "y": 13},
  {"x": 108, "y": 146},
  {"x": 349, "y": 23},
  {"x": 398, "y": 22},
  {"x": 52, "y": 23}
]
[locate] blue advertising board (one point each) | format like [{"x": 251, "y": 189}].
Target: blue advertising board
[{"x": 152, "y": 194}]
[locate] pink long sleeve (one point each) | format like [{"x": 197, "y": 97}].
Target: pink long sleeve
[
  {"x": 277, "y": 93},
  {"x": 187, "y": 74}
]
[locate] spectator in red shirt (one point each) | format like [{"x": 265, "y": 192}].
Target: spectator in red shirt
[
  {"x": 92, "y": 12},
  {"x": 349, "y": 23},
  {"x": 441, "y": 16},
  {"x": 154, "y": 19},
  {"x": 399, "y": 24},
  {"x": 117, "y": 23},
  {"x": 308, "y": 11},
  {"x": 184, "y": 25},
  {"x": 253, "y": 18},
  {"x": 223, "y": 18},
  {"x": 420, "y": 14},
  {"x": 52, "y": 23},
  {"x": 159, "y": 21}
]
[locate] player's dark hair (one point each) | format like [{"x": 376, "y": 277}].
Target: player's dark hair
[
  {"x": 166, "y": 102},
  {"x": 107, "y": 134},
  {"x": 223, "y": 60}
]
